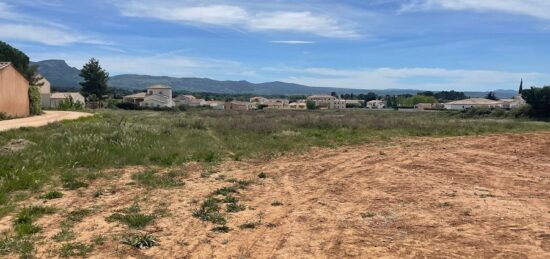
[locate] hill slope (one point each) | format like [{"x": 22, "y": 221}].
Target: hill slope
[{"x": 62, "y": 75}]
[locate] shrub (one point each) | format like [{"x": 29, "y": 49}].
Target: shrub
[
  {"x": 133, "y": 220},
  {"x": 262, "y": 175},
  {"x": 210, "y": 211},
  {"x": 235, "y": 207},
  {"x": 128, "y": 106},
  {"x": 221, "y": 229},
  {"x": 250, "y": 225},
  {"x": 140, "y": 240},
  {"x": 51, "y": 195},
  {"x": 35, "y": 102}
]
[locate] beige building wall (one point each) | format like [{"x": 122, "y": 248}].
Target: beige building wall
[
  {"x": 14, "y": 93},
  {"x": 45, "y": 92}
]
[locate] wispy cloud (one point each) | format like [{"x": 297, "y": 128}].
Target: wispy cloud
[
  {"x": 16, "y": 25},
  {"x": 417, "y": 78},
  {"x": 292, "y": 42},
  {"x": 238, "y": 16},
  {"x": 534, "y": 8}
]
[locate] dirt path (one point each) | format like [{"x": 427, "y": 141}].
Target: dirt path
[
  {"x": 463, "y": 197},
  {"x": 42, "y": 120}
]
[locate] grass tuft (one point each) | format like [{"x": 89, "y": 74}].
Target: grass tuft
[
  {"x": 151, "y": 179},
  {"x": 51, "y": 195},
  {"x": 75, "y": 249},
  {"x": 140, "y": 241}
]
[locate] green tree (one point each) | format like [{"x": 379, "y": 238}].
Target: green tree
[
  {"x": 539, "y": 101},
  {"x": 21, "y": 63},
  {"x": 310, "y": 105},
  {"x": 95, "y": 80},
  {"x": 492, "y": 96}
]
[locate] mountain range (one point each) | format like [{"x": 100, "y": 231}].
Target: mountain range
[{"x": 63, "y": 76}]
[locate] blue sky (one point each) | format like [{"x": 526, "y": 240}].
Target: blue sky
[{"x": 375, "y": 44}]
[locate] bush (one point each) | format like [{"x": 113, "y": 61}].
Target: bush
[
  {"x": 140, "y": 240},
  {"x": 539, "y": 101},
  {"x": 310, "y": 105},
  {"x": 35, "y": 103},
  {"x": 128, "y": 106}
]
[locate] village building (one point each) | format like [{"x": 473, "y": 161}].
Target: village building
[
  {"x": 157, "y": 96},
  {"x": 376, "y": 104},
  {"x": 298, "y": 106},
  {"x": 189, "y": 100},
  {"x": 45, "y": 89},
  {"x": 136, "y": 99},
  {"x": 327, "y": 102},
  {"x": 270, "y": 103},
  {"x": 58, "y": 98},
  {"x": 355, "y": 103},
  {"x": 216, "y": 105},
  {"x": 14, "y": 91},
  {"x": 240, "y": 106}
]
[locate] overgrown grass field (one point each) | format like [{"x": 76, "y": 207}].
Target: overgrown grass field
[{"x": 114, "y": 138}]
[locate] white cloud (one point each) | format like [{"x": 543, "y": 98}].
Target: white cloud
[
  {"x": 18, "y": 26},
  {"x": 535, "y": 8},
  {"x": 414, "y": 78},
  {"x": 194, "y": 12},
  {"x": 292, "y": 42},
  {"x": 40, "y": 34}
]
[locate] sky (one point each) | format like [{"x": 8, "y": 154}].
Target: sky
[{"x": 466, "y": 45}]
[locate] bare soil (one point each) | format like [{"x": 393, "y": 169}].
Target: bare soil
[
  {"x": 42, "y": 120},
  {"x": 461, "y": 197}
]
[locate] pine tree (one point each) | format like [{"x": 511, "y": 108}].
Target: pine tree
[
  {"x": 95, "y": 80},
  {"x": 492, "y": 96}
]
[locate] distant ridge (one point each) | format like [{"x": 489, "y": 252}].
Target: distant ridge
[{"x": 62, "y": 75}]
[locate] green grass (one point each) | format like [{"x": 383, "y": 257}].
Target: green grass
[
  {"x": 51, "y": 195},
  {"x": 75, "y": 152},
  {"x": 210, "y": 211},
  {"x": 11, "y": 245},
  {"x": 23, "y": 223},
  {"x": 235, "y": 207},
  {"x": 64, "y": 235},
  {"x": 140, "y": 240},
  {"x": 152, "y": 179},
  {"x": 132, "y": 217},
  {"x": 75, "y": 249}
]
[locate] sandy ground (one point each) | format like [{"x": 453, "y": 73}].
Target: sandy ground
[
  {"x": 463, "y": 197},
  {"x": 41, "y": 120}
]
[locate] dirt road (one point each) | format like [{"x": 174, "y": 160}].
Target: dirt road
[
  {"x": 463, "y": 197},
  {"x": 41, "y": 120}
]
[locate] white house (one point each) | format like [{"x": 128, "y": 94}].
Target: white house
[
  {"x": 189, "y": 100},
  {"x": 134, "y": 98},
  {"x": 216, "y": 105},
  {"x": 376, "y": 104},
  {"x": 57, "y": 98},
  {"x": 158, "y": 96},
  {"x": 327, "y": 101}
]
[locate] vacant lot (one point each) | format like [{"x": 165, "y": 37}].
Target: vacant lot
[{"x": 215, "y": 184}]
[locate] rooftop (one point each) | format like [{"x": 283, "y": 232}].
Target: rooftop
[
  {"x": 159, "y": 87},
  {"x": 473, "y": 101},
  {"x": 137, "y": 95}
]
